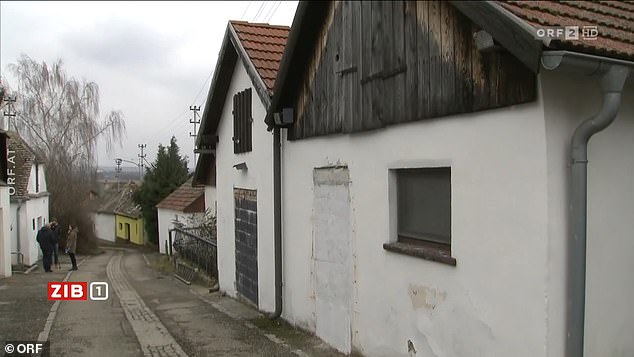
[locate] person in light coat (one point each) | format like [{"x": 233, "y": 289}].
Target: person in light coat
[{"x": 71, "y": 244}]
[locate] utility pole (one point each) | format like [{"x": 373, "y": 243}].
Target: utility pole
[
  {"x": 141, "y": 161},
  {"x": 195, "y": 121},
  {"x": 10, "y": 112},
  {"x": 118, "y": 171}
]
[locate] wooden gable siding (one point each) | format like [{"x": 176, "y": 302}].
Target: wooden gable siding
[{"x": 382, "y": 63}]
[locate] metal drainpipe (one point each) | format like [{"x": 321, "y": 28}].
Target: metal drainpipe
[
  {"x": 17, "y": 230},
  {"x": 612, "y": 83},
  {"x": 277, "y": 222}
]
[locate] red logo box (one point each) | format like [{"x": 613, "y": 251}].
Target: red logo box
[{"x": 69, "y": 290}]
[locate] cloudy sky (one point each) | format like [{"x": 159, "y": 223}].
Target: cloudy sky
[{"x": 151, "y": 60}]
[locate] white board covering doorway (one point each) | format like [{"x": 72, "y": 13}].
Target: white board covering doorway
[{"x": 332, "y": 257}]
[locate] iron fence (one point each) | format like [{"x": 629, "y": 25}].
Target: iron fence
[{"x": 200, "y": 251}]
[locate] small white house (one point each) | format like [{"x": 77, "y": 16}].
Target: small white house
[
  {"x": 103, "y": 213},
  {"x": 29, "y": 200},
  {"x": 436, "y": 165},
  {"x": 236, "y": 155},
  {"x": 184, "y": 205}
]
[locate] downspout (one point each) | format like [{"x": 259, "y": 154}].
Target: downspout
[
  {"x": 277, "y": 222},
  {"x": 17, "y": 230},
  {"x": 613, "y": 76}
]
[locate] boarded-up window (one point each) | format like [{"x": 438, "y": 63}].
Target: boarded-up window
[{"x": 242, "y": 120}]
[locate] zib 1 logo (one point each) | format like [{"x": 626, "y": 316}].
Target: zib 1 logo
[
  {"x": 70, "y": 291},
  {"x": 67, "y": 290}
]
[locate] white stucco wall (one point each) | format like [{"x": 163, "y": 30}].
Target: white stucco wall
[
  {"x": 105, "y": 226},
  {"x": 610, "y": 243},
  {"x": 41, "y": 177},
  {"x": 29, "y": 212},
  {"x": 492, "y": 302},
  {"x": 166, "y": 217},
  {"x": 210, "y": 199},
  {"x": 258, "y": 176},
  {"x": 5, "y": 233}
]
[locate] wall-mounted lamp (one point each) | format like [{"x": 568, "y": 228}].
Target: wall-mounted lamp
[{"x": 285, "y": 117}]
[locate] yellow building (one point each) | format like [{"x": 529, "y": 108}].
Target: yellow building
[
  {"x": 128, "y": 220},
  {"x": 129, "y": 228}
]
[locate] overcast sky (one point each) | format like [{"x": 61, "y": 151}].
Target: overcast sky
[{"x": 151, "y": 60}]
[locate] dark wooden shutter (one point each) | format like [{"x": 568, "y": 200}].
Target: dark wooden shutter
[{"x": 242, "y": 122}]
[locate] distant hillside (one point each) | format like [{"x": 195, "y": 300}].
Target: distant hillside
[{"x": 106, "y": 173}]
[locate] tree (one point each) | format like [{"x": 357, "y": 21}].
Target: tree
[
  {"x": 168, "y": 172},
  {"x": 58, "y": 116}
]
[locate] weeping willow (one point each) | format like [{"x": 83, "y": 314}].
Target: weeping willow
[{"x": 59, "y": 117}]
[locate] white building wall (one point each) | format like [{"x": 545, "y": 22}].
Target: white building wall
[
  {"x": 492, "y": 302},
  {"x": 610, "y": 241},
  {"x": 210, "y": 199},
  {"x": 13, "y": 231},
  {"x": 32, "y": 210},
  {"x": 5, "y": 233},
  {"x": 166, "y": 217},
  {"x": 28, "y": 212},
  {"x": 105, "y": 226},
  {"x": 41, "y": 177},
  {"x": 258, "y": 176}
]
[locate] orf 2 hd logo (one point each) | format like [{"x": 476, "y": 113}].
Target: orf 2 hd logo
[{"x": 74, "y": 291}]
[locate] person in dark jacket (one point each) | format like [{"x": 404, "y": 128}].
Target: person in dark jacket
[
  {"x": 46, "y": 239},
  {"x": 55, "y": 228},
  {"x": 71, "y": 245}
]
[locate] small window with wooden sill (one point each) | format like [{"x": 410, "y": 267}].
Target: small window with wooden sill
[{"x": 423, "y": 213}]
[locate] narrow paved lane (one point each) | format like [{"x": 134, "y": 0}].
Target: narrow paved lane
[
  {"x": 154, "y": 338},
  {"x": 93, "y": 328},
  {"x": 148, "y": 313},
  {"x": 201, "y": 329}
]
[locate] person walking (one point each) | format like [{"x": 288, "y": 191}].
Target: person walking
[
  {"x": 45, "y": 239},
  {"x": 55, "y": 228},
  {"x": 71, "y": 245}
]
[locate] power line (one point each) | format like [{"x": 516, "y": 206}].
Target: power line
[
  {"x": 161, "y": 130},
  {"x": 273, "y": 14},
  {"x": 259, "y": 11},
  {"x": 245, "y": 11},
  {"x": 269, "y": 12},
  {"x": 203, "y": 86},
  {"x": 175, "y": 124}
]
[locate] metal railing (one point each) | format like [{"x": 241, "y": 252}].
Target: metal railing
[{"x": 200, "y": 251}]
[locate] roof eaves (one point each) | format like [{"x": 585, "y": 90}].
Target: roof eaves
[
  {"x": 196, "y": 205},
  {"x": 218, "y": 87},
  {"x": 301, "y": 24},
  {"x": 513, "y": 33}
]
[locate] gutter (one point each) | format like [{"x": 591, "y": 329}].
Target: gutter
[
  {"x": 17, "y": 223},
  {"x": 277, "y": 221},
  {"x": 612, "y": 77}
]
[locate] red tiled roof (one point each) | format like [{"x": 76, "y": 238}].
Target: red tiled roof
[
  {"x": 186, "y": 198},
  {"x": 264, "y": 44},
  {"x": 120, "y": 201},
  {"x": 614, "y": 21}
]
